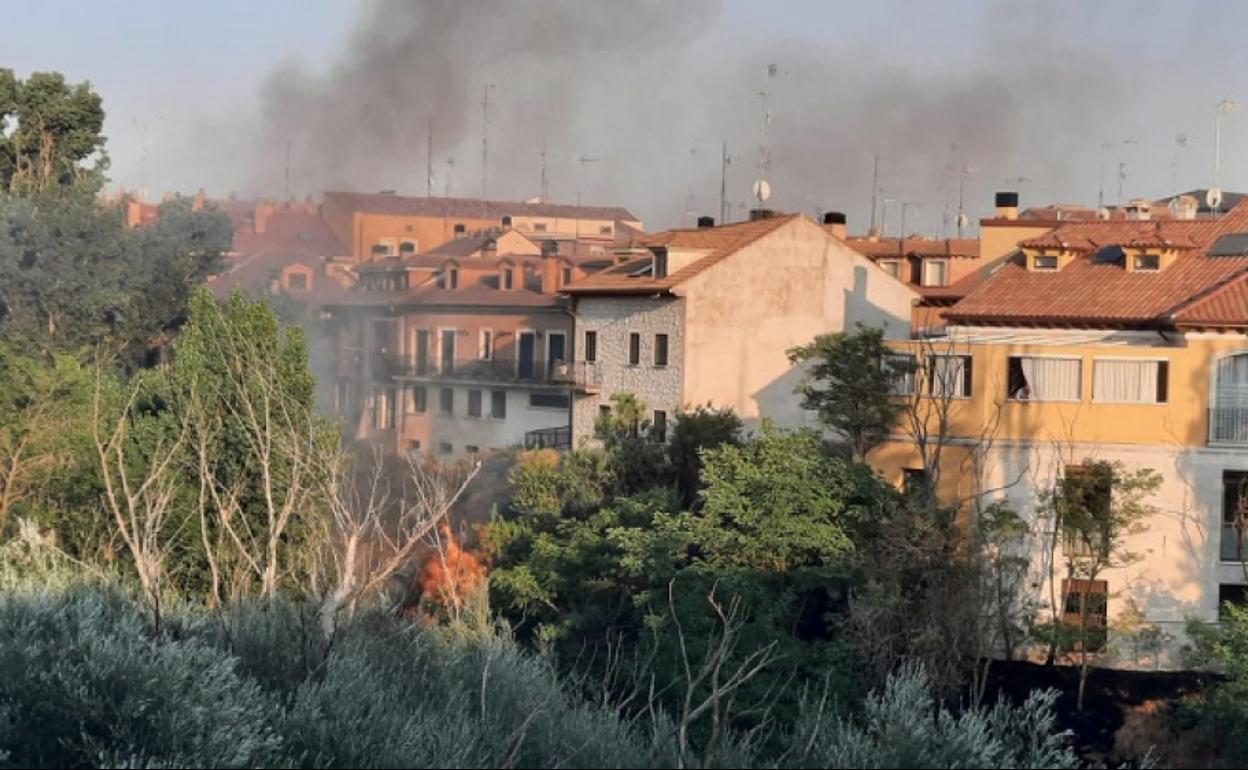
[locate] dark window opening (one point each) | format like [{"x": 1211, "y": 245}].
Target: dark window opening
[
  {"x": 420, "y": 399},
  {"x": 1231, "y": 593},
  {"x": 498, "y": 404},
  {"x": 591, "y": 346},
  {"x": 448, "y": 401},
  {"x": 634, "y": 349},
  {"x": 659, "y": 428},
  {"x": 550, "y": 400},
  {"x": 474, "y": 403},
  {"x": 1088, "y": 598},
  {"x": 660, "y": 350}
]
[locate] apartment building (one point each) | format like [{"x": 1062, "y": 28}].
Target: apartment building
[
  {"x": 461, "y": 351},
  {"x": 376, "y": 226},
  {"x": 1116, "y": 338},
  {"x": 706, "y": 315}
]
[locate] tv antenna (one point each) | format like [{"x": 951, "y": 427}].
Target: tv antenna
[
  {"x": 1224, "y": 107},
  {"x": 584, "y": 160},
  {"x": 1213, "y": 199},
  {"x": 875, "y": 188},
  {"x": 905, "y": 205},
  {"x": 1180, "y": 143},
  {"x": 725, "y": 161},
  {"x": 764, "y": 156},
  {"x": 544, "y": 188},
  {"x": 1106, "y": 146},
  {"x": 885, "y": 200},
  {"x": 450, "y": 167},
  {"x": 690, "y": 196},
  {"x": 1122, "y": 166},
  {"x": 485, "y": 140},
  {"x": 429, "y": 161}
]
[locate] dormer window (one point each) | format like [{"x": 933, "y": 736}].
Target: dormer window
[
  {"x": 539, "y": 227},
  {"x": 935, "y": 272},
  {"x": 660, "y": 263},
  {"x": 506, "y": 278},
  {"x": 1045, "y": 262},
  {"x": 892, "y": 267},
  {"x": 453, "y": 278},
  {"x": 567, "y": 275},
  {"x": 1147, "y": 262}
]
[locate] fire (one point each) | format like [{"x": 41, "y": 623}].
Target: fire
[{"x": 450, "y": 574}]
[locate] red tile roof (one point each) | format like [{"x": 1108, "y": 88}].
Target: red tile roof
[
  {"x": 469, "y": 208},
  {"x": 1095, "y": 288},
  {"x": 719, "y": 243}
]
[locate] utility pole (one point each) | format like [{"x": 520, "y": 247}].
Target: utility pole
[{"x": 429, "y": 161}]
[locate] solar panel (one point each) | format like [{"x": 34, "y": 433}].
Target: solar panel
[{"x": 1232, "y": 245}]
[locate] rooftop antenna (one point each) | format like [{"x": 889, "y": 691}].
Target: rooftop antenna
[
  {"x": 690, "y": 197},
  {"x": 726, "y": 160},
  {"x": 545, "y": 185},
  {"x": 885, "y": 200},
  {"x": 875, "y": 188},
  {"x": 964, "y": 174},
  {"x": 286, "y": 195},
  {"x": 1122, "y": 166},
  {"x": 1106, "y": 146},
  {"x": 450, "y": 166},
  {"x": 905, "y": 205},
  {"x": 584, "y": 160},
  {"x": 764, "y": 157},
  {"x": 429, "y": 161},
  {"x": 1224, "y": 107},
  {"x": 485, "y": 140},
  {"x": 1180, "y": 143}
]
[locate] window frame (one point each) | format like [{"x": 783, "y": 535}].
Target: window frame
[
  {"x": 446, "y": 401},
  {"x": 1036, "y": 267},
  {"x": 665, "y": 339},
  {"x": 928, "y": 265},
  {"x": 892, "y": 267},
  {"x": 418, "y": 399},
  {"x": 1009, "y": 392},
  {"x": 495, "y": 412},
  {"x": 1137, "y": 268},
  {"x": 634, "y": 348},
  {"x": 1161, "y": 393},
  {"x": 968, "y": 376},
  {"x": 590, "y": 353},
  {"x": 474, "y": 395},
  {"x": 485, "y": 345}
]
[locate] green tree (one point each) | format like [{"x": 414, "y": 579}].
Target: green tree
[
  {"x": 54, "y": 128},
  {"x": 695, "y": 432},
  {"x": 635, "y": 454},
  {"x": 849, "y": 383}
]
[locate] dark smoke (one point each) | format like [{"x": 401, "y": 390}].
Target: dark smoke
[{"x": 637, "y": 86}]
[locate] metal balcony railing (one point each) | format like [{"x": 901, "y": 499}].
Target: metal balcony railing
[
  {"x": 1228, "y": 425},
  {"x": 584, "y": 376},
  {"x": 549, "y": 438},
  {"x": 499, "y": 369}
]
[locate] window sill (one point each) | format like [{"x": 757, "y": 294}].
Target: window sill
[
  {"x": 1044, "y": 400},
  {"x": 1132, "y": 403}
]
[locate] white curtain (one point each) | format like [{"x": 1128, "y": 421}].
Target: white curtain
[
  {"x": 1052, "y": 379},
  {"x": 1132, "y": 382},
  {"x": 948, "y": 376},
  {"x": 903, "y": 368},
  {"x": 1232, "y": 387}
]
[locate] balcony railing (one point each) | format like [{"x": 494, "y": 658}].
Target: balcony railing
[
  {"x": 549, "y": 438},
  {"x": 497, "y": 369},
  {"x": 1228, "y": 425},
  {"x": 584, "y": 376}
]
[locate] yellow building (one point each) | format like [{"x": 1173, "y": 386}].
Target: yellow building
[{"x": 1122, "y": 340}]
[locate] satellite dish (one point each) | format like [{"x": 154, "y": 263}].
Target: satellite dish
[
  {"x": 963, "y": 220},
  {"x": 762, "y": 190},
  {"x": 1102, "y": 213},
  {"x": 1213, "y": 198}
]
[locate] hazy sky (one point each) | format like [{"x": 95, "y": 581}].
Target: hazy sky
[{"x": 212, "y": 94}]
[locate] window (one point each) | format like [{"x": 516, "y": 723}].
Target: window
[
  {"x": 935, "y": 272},
  {"x": 448, "y": 401},
  {"x": 1148, "y": 262},
  {"x": 420, "y": 399},
  {"x": 1090, "y": 597},
  {"x": 567, "y": 275},
  {"x": 486, "y": 347},
  {"x": 660, "y": 350},
  {"x": 1045, "y": 262},
  {"x": 506, "y": 280},
  {"x": 659, "y": 427},
  {"x": 453, "y": 278},
  {"x": 892, "y": 267},
  {"x": 660, "y": 263},
  {"x": 604, "y": 414},
  {"x": 634, "y": 349},
  {"x": 1234, "y": 515},
  {"x": 298, "y": 281},
  {"x": 591, "y": 346},
  {"x": 913, "y": 480},
  {"x": 1123, "y": 381},
  {"x": 1231, "y": 593},
  {"x": 604, "y": 229},
  {"x": 383, "y": 409},
  {"x": 1044, "y": 379},
  {"x": 549, "y": 400},
  {"x": 445, "y": 448},
  {"x": 474, "y": 403},
  {"x": 413, "y": 445},
  {"x": 1087, "y": 494},
  {"x": 472, "y": 449},
  {"x": 498, "y": 404},
  {"x": 539, "y": 227},
  {"x": 949, "y": 376},
  {"x": 901, "y": 367}
]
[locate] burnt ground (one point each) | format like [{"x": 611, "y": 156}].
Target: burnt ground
[{"x": 1126, "y": 713}]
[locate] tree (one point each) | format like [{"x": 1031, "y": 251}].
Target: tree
[
  {"x": 696, "y": 431},
  {"x": 54, "y": 128},
  {"x": 849, "y": 385},
  {"x": 635, "y": 454},
  {"x": 1097, "y": 508}
]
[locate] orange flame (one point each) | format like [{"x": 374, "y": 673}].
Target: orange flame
[{"x": 450, "y": 574}]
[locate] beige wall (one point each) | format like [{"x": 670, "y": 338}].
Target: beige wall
[{"x": 745, "y": 313}]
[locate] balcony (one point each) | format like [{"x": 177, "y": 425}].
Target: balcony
[
  {"x": 549, "y": 438},
  {"x": 1228, "y": 425},
  {"x": 500, "y": 369},
  {"x": 583, "y": 376}
]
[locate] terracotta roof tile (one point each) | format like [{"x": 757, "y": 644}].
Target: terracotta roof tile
[
  {"x": 1095, "y": 289},
  {"x": 882, "y": 248}
]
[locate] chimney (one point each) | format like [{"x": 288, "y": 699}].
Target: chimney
[
  {"x": 705, "y": 222},
  {"x": 756, "y": 214},
  {"x": 873, "y": 234},
  {"x": 550, "y": 271},
  {"x": 1007, "y": 205},
  {"x": 460, "y": 229},
  {"x": 506, "y": 221},
  {"x": 1186, "y": 207},
  {"x": 834, "y": 222},
  {"x": 264, "y": 210},
  {"x": 1139, "y": 209},
  {"x": 550, "y": 248}
]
